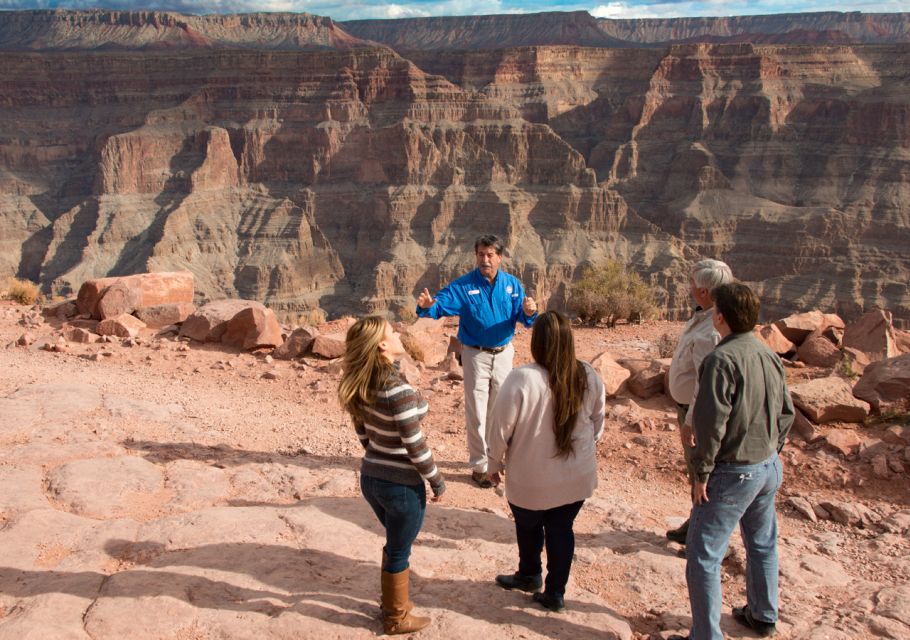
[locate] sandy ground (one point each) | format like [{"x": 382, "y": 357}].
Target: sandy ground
[{"x": 169, "y": 490}]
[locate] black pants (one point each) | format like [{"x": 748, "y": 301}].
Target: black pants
[{"x": 552, "y": 527}]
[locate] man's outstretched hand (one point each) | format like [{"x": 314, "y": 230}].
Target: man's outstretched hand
[
  {"x": 529, "y": 306},
  {"x": 425, "y": 300}
]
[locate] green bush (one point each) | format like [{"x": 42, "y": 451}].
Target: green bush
[
  {"x": 609, "y": 293},
  {"x": 22, "y": 291}
]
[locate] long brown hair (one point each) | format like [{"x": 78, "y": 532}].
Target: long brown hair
[
  {"x": 364, "y": 367},
  {"x": 553, "y": 348}
]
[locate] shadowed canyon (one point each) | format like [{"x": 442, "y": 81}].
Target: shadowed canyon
[{"x": 309, "y": 164}]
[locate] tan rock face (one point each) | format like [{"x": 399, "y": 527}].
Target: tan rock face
[{"x": 829, "y": 400}]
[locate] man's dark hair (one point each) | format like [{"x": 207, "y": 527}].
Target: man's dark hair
[
  {"x": 489, "y": 241},
  {"x": 738, "y": 305}
]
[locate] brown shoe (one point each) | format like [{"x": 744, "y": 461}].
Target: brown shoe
[
  {"x": 396, "y": 605},
  {"x": 481, "y": 479}
]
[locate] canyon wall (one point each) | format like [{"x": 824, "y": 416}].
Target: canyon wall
[{"x": 349, "y": 177}]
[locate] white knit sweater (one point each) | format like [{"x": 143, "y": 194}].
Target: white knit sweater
[{"x": 520, "y": 440}]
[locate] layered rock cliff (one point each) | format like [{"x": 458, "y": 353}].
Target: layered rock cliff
[{"x": 350, "y": 178}]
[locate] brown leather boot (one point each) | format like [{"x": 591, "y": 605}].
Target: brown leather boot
[{"x": 397, "y": 605}]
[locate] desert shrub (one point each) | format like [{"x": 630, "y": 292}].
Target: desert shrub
[
  {"x": 666, "y": 345},
  {"x": 312, "y": 317},
  {"x": 22, "y": 291},
  {"x": 611, "y": 292}
]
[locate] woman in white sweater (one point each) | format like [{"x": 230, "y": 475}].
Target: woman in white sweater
[{"x": 545, "y": 424}]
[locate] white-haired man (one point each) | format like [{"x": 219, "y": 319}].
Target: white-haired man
[{"x": 698, "y": 339}]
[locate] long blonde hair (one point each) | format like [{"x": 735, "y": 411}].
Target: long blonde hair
[
  {"x": 553, "y": 348},
  {"x": 364, "y": 367}
]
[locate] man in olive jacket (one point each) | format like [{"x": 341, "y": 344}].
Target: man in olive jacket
[{"x": 741, "y": 418}]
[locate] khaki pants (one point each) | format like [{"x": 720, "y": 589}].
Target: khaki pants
[
  {"x": 681, "y": 411},
  {"x": 483, "y": 375}
]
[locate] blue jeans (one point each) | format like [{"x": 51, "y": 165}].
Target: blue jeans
[
  {"x": 552, "y": 527},
  {"x": 400, "y": 509},
  {"x": 743, "y": 494}
]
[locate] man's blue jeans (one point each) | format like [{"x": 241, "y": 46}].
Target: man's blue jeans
[
  {"x": 400, "y": 509},
  {"x": 744, "y": 494}
]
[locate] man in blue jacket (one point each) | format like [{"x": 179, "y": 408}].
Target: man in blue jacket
[{"x": 489, "y": 303}]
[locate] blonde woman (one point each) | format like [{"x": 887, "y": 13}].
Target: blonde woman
[
  {"x": 387, "y": 412},
  {"x": 546, "y": 422}
]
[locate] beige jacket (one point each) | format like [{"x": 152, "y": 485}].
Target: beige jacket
[
  {"x": 698, "y": 339},
  {"x": 520, "y": 440}
]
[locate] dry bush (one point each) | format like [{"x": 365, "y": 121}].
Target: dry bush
[
  {"x": 666, "y": 345},
  {"x": 22, "y": 291},
  {"x": 312, "y": 317},
  {"x": 611, "y": 292}
]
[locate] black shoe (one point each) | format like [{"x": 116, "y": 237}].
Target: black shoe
[
  {"x": 531, "y": 584},
  {"x": 556, "y": 604},
  {"x": 743, "y": 616},
  {"x": 481, "y": 479},
  {"x": 679, "y": 534}
]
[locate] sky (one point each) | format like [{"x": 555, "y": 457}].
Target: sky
[{"x": 362, "y": 9}]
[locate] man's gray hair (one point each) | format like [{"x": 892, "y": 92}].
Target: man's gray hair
[{"x": 708, "y": 274}]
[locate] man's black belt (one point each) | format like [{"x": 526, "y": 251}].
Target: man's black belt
[{"x": 488, "y": 349}]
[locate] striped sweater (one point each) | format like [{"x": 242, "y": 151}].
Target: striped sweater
[{"x": 390, "y": 432}]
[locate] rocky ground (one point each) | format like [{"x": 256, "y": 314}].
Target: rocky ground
[{"x": 169, "y": 489}]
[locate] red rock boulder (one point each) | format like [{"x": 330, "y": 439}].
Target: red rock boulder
[
  {"x": 209, "y": 322},
  {"x": 117, "y": 299},
  {"x": 873, "y": 334},
  {"x": 797, "y": 327},
  {"x": 253, "y": 328},
  {"x": 151, "y": 289},
  {"x": 829, "y": 400},
  {"x": 613, "y": 374},
  {"x": 297, "y": 344},
  {"x": 649, "y": 382},
  {"x": 772, "y": 336},
  {"x": 122, "y": 326},
  {"x": 163, "y": 315},
  {"x": 329, "y": 345},
  {"x": 425, "y": 341},
  {"x": 818, "y": 351},
  {"x": 886, "y": 384}
]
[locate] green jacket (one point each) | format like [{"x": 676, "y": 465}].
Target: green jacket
[{"x": 743, "y": 409}]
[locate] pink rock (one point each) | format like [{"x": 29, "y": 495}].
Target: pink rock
[
  {"x": 873, "y": 334},
  {"x": 152, "y": 289},
  {"x": 163, "y": 315},
  {"x": 829, "y": 400},
  {"x": 25, "y": 340},
  {"x": 60, "y": 310},
  {"x": 613, "y": 374},
  {"x": 772, "y": 336},
  {"x": 818, "y": 351},
  {"x": 297, "y": 344},
  {"x": 122, "y": 326},
  {"x": 833, "y": 321},
  {"x": 329, "y": 345},
  {"x": 253, "y": 328},
  {"x": 209, "y": 322},
  {"x": 649, "y": 382},
  {"x": 117, "y": 299},
  {"x": 886, "y": 384},
  {"x": 843, "y": 441},
  {"x": 797, "y": 327},
  {"x": 452, "y": 368}
]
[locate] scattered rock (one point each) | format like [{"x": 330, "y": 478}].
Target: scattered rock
[
  {"x": 452, "y": 368},
  {"x": 880, "y": 467},
  {"x": 209, "y": 322},
  {"x": 803, "y": 507},
  {"x": 77, "y": 334},
  {"x": 649, "y": 382},
  {"x": 829, "y": 400},
  {"x": 798, "y": 326},
  {"x": 803, "y": 427},
  {"x": 897, "y": 522},
  {"x": 25, "y": 340}
]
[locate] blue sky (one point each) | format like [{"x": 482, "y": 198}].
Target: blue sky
[{"x": 359, "y": 9}]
